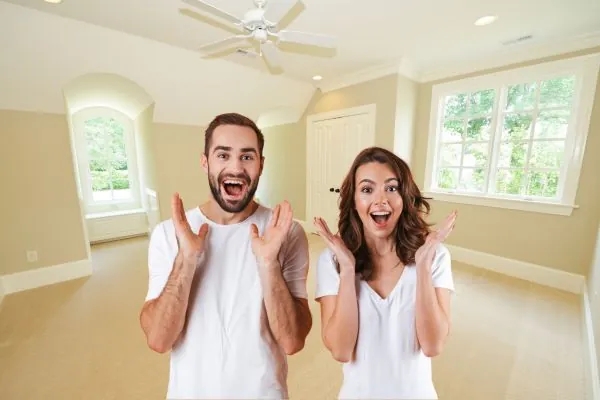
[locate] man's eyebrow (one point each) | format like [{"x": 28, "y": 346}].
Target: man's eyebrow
[
  {"x": 249, "y": 150},
  {"x": 224, "y": 148}
]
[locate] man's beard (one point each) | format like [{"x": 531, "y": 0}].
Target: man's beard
[{"x": 237, "y": 206}]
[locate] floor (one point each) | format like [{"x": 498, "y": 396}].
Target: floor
[{"x": 82, "y": 340}]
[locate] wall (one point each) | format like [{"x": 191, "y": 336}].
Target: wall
[
  {"x": 39, "y": 192},
  {"x": 284, "y": 174},
  {"x": 380, "y": 91},
  {"x": 559, "y": 242},
  {"x": 593, "y": 282},
  {"x": 178, "y": 150}
]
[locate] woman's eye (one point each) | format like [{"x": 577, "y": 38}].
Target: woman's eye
[
  {"x": 392, "y": 188},
  {"x": 366, "y": 190}
]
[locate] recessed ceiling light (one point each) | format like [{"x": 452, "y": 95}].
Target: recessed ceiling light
[
  {"x": 53, "y": 1},
  {"x": 317, "y": 78},
  {"x": 488, "y": 19}
]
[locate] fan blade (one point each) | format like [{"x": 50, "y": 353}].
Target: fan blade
[
  {"x": 311, "y": 39},
  {"x": 213, "y": 9},
  {"x": 220, "y": 44},
  {"x": 271, "y": 54},
  {"x": 275, "y": 10}
]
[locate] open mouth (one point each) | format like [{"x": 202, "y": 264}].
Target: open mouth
[
  {"x": 381, "y": 217},
  {"x": 234, "y": 188}
]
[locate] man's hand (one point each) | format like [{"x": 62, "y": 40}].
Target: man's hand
[
  {"x": 266, "y": 248},
  {"x": 191, "y": 245}
]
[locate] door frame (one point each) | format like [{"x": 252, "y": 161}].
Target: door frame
[{"x": 368, "y": 109}]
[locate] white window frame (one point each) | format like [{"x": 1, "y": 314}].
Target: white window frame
[
  {"x": 92, "y": 207},
  {"x": 585, "y": 68}
]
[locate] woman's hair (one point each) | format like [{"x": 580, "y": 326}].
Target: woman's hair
[{"x": 411, "y": 230}]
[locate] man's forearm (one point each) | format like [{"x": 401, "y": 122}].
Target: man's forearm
[
  {"x": 163, "y": 318},
  {"x": 431, "y": 321},
  {"x": 289, "y": 322}
]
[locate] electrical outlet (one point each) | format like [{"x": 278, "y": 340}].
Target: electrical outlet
[{"x": 32, "y": 256}]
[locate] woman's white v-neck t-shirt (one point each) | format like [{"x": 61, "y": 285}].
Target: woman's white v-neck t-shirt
[{"x": 388, "y": 362}]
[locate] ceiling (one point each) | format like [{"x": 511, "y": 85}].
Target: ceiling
[{"x": 427, "y": 33}]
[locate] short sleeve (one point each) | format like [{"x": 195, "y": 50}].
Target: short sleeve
[
  {"x": 160, "y": 262},
  {"x": 442, "y": 269},
  {"x": 328, "y": 278},
  {"x": 295, "y": 261}
]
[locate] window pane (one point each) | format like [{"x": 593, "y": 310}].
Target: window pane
[
  {"x": 472, "y": 179},
  {"x": 547, "y": 154},
  {"x": 476, "y": 155},
  {"x": 543, "y": 184},
  {"x": 509, "y": 181},
  {"x": 516, "y": 126},
  {"x": 448, "y": 178},
  {"x": 453, "y": 130},
  {"x": 521, "y": 97},
  {"x": 513, "y": 155},
  {"x": 479, "y": 129},
  {"x": 451, "y": 154},
  {"x": 107, "y": 156},
  {"x": 455, "y": 106},
  {"x": 557, "y": 92},
  {"x": 552, "y": 124},
  {"x": 482, "y": 102}
]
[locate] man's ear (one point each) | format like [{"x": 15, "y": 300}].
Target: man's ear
[
  {"x": 204, "y": 162},
  {"x": 262, "y": 165}
]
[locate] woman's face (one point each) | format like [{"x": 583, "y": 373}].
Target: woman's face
[{"x": 377, "y": 199}]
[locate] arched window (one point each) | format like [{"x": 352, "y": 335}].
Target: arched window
[{"x": 106, "y": 159}]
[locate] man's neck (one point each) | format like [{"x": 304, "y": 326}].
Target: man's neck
[{"x": 215, "y": 213}]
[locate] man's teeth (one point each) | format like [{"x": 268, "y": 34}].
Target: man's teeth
[{"x": 232, "y": 182}]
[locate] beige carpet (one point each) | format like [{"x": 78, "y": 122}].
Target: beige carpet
[{"x": 81, "y": 339}]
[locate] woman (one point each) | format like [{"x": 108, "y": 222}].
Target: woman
[{"x": 384, "y": 282}]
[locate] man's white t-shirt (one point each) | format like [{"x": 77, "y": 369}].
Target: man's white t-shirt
[
  {"x": 227, "y": 350},
  {"x": 388, "y": 363}
]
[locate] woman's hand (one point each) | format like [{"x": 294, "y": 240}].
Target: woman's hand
[
  {"x": 344, "y": 257},
  {"x": 426, "y": 253}
]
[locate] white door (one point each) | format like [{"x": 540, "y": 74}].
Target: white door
[{"x": 332, "y": 145}]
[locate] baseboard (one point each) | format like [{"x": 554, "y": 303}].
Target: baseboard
[
  {"x": 519, "y": 269},
  {"x": 591, "y": 362},
  {"x": 32, "y": 279}
]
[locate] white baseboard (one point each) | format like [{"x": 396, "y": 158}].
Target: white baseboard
[
  {"x": 591, "y": 362},
  {"x": 519, "y": 269},
  {"x": 34, "y": 278}
]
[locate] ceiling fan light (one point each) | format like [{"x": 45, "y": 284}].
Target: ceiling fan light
[{"x": 486, "y": 20}]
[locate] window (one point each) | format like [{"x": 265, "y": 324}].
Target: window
[
  {"x": 514, "y": 139},
  {"x": 107, "y": 162}
]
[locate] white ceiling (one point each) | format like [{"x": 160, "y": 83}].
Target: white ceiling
[{"x": 426, "y": 33}]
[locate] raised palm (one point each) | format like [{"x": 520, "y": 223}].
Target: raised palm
[
  {"x": 426, "y": 253},
  {"x": 266, "y": 247},
  {"x": 190, "y": 243},
  {"x": 344, "y": 256}
]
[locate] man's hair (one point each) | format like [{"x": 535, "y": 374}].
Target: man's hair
[{"x": 232, "y": 119}]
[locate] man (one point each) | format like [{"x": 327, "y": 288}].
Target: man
[{"x": 227, "y": 289}]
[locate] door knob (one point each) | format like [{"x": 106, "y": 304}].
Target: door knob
[
  {"x": 331, "y": 189},
  {"x": 337, "y": 190}
]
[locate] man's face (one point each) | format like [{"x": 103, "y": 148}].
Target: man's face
[{"x": 234, "y": 166}]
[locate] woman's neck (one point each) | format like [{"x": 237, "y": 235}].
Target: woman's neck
[{"x": 383, "y": 254}]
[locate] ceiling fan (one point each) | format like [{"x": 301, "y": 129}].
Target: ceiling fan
[{"x": 260, "y": 25}]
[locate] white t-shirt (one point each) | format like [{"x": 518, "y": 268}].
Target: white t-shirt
[
  {"x": 388, "y": 363},
  {"x": 227, "y": 349}
]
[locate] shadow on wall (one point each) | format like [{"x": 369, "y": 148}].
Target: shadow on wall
[{"x": 110, "y": 121}]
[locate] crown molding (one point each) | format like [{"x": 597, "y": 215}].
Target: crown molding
[
  {"x": 360, "y": 76},
  {"x": 513, "y": 55}
]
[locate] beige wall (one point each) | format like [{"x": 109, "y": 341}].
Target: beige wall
[
  {"x": 284, "y": 174},
  {"x": 559, "y": 242},
  {"x": 593, "y": 288},
  {"x": 381, "y": 92},
  {"x": 39, "y": 206},
  {"x": 178, "y": 150}
]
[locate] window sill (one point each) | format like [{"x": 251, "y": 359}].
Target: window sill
[
  {"x": 498, "y": 202},
  {"x": 115, "y": 213}
]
